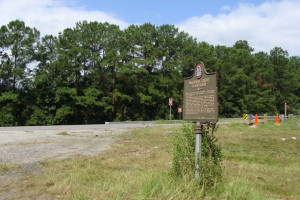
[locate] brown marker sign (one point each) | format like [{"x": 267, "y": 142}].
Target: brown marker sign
[{"x": 200, "y": 101}]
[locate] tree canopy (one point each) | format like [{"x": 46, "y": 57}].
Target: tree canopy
[{"x": 96, "y": 72}]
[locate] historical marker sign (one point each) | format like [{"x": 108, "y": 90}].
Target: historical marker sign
[{"x": 200, "y": 101}]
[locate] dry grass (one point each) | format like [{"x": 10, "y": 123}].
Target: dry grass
[
  {"x": 257, "y": 165},
  {"x": 115, "y": 174},
  {"x": 62, "y": 133}
]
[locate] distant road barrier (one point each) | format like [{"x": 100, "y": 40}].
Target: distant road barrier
[{"x": 269, "y": 117}]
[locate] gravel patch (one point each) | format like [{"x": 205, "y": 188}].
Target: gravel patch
[{"x": 24, "y": 145}]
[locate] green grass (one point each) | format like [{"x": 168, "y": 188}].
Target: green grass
[
  {"x": 258, "y": 156},
  {"x": 4, "y": 167},
  {"x": 257, "y": 165}
]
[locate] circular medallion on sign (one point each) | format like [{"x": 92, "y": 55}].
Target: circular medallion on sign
[{"x": 198, "y": 71}]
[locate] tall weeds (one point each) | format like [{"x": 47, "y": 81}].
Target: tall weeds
[{"x": 184, "y": 155}]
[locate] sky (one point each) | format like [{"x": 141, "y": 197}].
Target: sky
[{"x": 265, "y": 24}]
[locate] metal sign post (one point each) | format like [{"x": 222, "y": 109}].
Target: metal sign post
[
  {"x": 200, "y": 104},
  {"x": 198, "y": 150},
  {"x": 170, "y": 104},
  {"x": 179, "y": 111},
  {"x": 170, "y": 113}
]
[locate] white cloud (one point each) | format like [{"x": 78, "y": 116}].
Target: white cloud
[
  {"x": 51, "y": 16},
  {"x": 270, "y": 24}
]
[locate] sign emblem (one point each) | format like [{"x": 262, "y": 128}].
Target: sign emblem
[{"x": 198, "y": 71}]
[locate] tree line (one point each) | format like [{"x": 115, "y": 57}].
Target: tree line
[{"x": 96, "y": 72}]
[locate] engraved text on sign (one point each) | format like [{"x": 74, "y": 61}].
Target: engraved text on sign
[{"x": 200, "y": 96}]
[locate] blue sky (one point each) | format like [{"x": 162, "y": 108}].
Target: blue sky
[
  {"x": 161, "y": 11},
  {"x": 265, "y": 24}
]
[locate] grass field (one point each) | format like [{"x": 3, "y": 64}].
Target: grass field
[{"x": 258, "y": 164}]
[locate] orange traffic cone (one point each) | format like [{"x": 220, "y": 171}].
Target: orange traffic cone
[
  {"x": 276, "y": 120},
  {"x": 256, "y": 119}
]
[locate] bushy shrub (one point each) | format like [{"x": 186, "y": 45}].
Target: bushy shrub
[{"x": 184, "y": 155}]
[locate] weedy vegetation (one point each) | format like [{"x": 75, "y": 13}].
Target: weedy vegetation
[
  {"x": 255, "y": 164},
  {"x": 184, "y": 156},
  {"x": 4, "y": 167}
]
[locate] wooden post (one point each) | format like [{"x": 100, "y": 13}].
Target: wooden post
[
  {"x": 284, "y": 111},
  {"x": 265, "y": 118}
]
